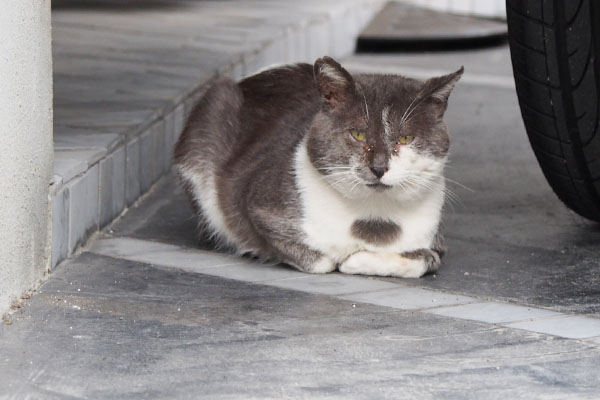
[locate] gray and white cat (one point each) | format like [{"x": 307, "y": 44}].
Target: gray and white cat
[{"x": 320, "y": 169}]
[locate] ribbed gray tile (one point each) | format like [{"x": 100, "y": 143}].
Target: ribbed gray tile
[
  {"x": 83, "y": 218},
  {"x": 132, "y": 181},
  {"x": 112, "y": 186},
  {"x": 151, "y": 155}
]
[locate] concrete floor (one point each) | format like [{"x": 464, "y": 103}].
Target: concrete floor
[{"x": 147, "y": 312}]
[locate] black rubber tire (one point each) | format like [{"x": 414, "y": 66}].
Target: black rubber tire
[{"x": 554, "y": 46}]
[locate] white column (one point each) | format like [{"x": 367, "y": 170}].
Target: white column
[{"x": 26, "y": 149}]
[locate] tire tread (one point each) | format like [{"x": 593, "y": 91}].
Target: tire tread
[{"x": 557, "y": 88}]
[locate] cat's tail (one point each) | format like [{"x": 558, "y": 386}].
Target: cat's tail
[{"x": 212, "y": 125}]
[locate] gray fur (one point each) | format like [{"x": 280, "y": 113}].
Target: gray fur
[
  {"x": 246, "y": 134},
  {"x": 375, "y": 231}
]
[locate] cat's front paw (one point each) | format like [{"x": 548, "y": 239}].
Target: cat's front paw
[
  {"x": 384, "y": 264},
  {"x": 323, "y": 265}
]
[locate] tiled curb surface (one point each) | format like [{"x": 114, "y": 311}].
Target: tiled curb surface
[
  {"x": 358, "y": 289},
  {"x": 124, "y": 82}
]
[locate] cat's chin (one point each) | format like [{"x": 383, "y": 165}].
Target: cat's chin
[{"x": 378, "y": 186}]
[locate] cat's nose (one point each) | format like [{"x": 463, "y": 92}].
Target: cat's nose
[{"x": 378, "y": 171}]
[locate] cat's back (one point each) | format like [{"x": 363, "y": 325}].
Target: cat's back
[
  {"x": 240, "y": 137},
  {"x": 277, "y": 110},
  {"x": 280, "y": 88}
]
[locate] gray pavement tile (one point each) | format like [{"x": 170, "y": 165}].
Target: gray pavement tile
[
  {"x": 249, "y": 271},
  {"x": 122, "y": 247},
  {"x": 360, "y": 66},
  {"x": 90, "y": 156},
  {"x": 494, "y": 61},
  {"x": 120, "y": 329},
  {"x": 162, "y": 254},
  {"x": 570, "y": 326},
  {"x": 85, "y": 139},
  {"x": 409, "y": 298},
  {"x": 493, "y": 312},
  {"x": 332, "y": 284},
  {"x": 595, "y": 340},
  {"x": 163, "y": 218},
  {"x": 193, "y": 261}
]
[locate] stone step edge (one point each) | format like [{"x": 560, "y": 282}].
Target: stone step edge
[{"x": 94, "y": 197}]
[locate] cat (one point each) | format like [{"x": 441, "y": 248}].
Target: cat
[{"x": 311, "y": 166}]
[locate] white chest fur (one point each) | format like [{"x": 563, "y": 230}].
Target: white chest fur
[{"x": 328, "y": 215}]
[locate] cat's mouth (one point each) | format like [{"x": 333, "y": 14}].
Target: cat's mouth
[{"x": 378, "y": 186}]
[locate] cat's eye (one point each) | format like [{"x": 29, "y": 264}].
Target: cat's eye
[
  {"x": 358, "y": 135},
  {"x": 405, "y": 139}
]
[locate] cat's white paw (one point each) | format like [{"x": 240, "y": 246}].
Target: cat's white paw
[
  {"x": 323, "y": 265},
  {"x": 383, "y": 264}
]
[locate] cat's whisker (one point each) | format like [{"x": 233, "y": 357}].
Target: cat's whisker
[
  {"x": 449, "y": 180},
  {"x": 410, "y": 110},
  {"x": 427, "y": 185},
  {"x": 452, "y": 196},
  {"x": 356, "y": 183},
  {"x": 452, "y": 181},
  {"x": 334, "y": 168},
  {"x": 413, "y": 115},
  {"x": 460, "y": 185}
]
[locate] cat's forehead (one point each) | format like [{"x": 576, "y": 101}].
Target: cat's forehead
[{"x": 393, "y": 94}]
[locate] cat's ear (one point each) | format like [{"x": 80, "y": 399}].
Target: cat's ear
[
  {"x": 438, "y": 89},
  {"x": 334, "y": 82}
]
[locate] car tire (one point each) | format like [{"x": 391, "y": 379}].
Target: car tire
[{"x": 555, "y": 48}]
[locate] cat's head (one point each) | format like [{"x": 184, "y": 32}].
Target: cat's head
[{"x": 379, "y": 133}]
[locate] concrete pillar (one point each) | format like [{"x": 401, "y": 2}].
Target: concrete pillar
[{"x": 26, "y": 150}]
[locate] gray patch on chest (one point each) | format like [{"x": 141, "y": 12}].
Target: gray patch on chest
[{"x": 375, "y": 231}]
